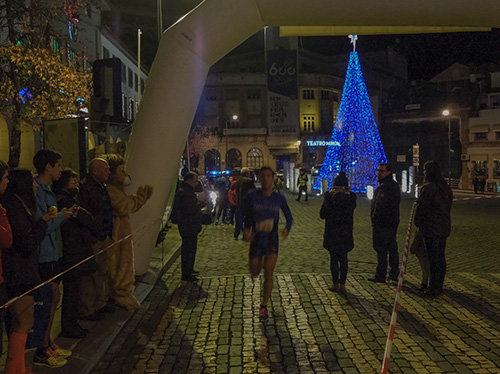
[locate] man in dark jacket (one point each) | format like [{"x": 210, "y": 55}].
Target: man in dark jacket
[
  {"x": 243, "y": 186},
  {"x": 94, "y": 197},
  {"x": 187, "y": 213},
  {"x": 385, "y": 222}
]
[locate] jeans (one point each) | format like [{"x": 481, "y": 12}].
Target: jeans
[
  {"x": 437, "y": 261},
  {"x": 238, "y": 218},
  {"x": 70, "y": 301},
  {"x": 338, "y": 267},
  {"x": 384, "y": 243},
  {"x": 188, "y": 254}
]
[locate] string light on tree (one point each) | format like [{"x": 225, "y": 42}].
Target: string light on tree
[{"x": 356, "y": 146}]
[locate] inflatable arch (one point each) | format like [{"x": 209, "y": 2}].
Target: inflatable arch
[{"x": 215, "y": 27}]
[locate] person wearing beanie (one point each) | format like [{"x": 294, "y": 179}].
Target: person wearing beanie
[{"x": 337, "y": 210}]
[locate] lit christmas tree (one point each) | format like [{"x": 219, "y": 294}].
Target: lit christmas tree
[{"x": 359, "y": 149}]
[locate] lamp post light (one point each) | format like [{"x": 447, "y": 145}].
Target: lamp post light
[
  {"x": 446, "y": 113},
  {"x": 234, "y": 117}
]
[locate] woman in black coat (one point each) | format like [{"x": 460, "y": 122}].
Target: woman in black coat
[
  {"x": 338, "y": 209},
  {"x": 77, "y": 233},
  {"x": 433, "y": 218},
  {"x": 20, "y": 262}
]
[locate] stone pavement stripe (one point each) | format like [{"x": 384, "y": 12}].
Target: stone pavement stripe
[
  {"x": 484, "y": 289},
  {"x": 484, "y": 333},
  {"x": 366, "y": 360},
  {"x": 485, "y": 284},
  {"x": 297, "y": 323},
  {"x": 474, "y": 302},
  {"x": 404, "y": 343},
  {"x": 451, "y": 340}
]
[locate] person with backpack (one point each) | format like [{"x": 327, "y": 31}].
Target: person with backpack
[{"x": 337, "y": 211}]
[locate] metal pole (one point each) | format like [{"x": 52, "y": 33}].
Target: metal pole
[
  {"x": 449, "y": 151},
  {"x": 139, "y": 33},
  {"x": 160, "y": 19},
  {"x": 226, "y": 144},
  {"x": 187, "y": 151}
]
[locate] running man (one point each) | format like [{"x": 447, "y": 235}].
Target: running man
[{"x": 261, "y": 210}]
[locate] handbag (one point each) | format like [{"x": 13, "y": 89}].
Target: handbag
[{"x": 418, "y": 245}]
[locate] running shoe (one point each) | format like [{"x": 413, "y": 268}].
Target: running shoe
[{"x": 263, "y": 314}]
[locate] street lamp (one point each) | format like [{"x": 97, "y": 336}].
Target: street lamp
[
  {"x": 446, "y": 113},
  {"x": 234, "y": 118}
]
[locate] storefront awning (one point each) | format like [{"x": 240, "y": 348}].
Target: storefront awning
[
  {"x": 283, "y": 151},
  {"x": 480, "y": 157},
  {"x": 496, "y": 127},
  {"x": 496, "y": 157},
  {"x": 479, "y": 128}
]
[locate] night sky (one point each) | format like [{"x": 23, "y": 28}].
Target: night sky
[{"x": 428, "y": 54}]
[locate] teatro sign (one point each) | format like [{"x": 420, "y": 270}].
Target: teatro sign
[{"x": 322, "y": 143}]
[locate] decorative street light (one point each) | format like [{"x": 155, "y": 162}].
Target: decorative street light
[{"x": 446, "y": 113}]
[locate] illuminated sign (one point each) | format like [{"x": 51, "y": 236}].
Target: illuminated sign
[{"x": 322, "y": 143}]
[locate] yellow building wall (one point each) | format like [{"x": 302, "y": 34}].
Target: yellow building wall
[
  {"x": 27, "y": 146},
  {"x": 4, "y": 140},
  {"x": 310, "y": 119}
]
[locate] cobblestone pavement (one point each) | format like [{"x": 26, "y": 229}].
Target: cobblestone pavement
[{"x": 213, "y": 327}]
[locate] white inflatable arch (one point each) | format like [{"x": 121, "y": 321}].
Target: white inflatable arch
[{"x": 215, "y": 27}]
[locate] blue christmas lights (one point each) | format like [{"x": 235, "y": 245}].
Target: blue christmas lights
[{"x": 360, "y": 150}]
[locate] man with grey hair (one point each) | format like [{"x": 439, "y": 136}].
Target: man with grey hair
[{"x": 95, "y": 198}]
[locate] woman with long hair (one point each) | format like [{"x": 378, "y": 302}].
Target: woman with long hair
[
  {"x": 433, "y": 218},
  {"x": 5, "y": 240},
  {"x": 20, "y": 262}
]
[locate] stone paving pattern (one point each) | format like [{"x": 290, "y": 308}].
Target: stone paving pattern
[{"x": 213, "y": 327}]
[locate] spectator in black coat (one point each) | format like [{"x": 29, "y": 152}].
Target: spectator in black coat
[
  {"x": 385, "y": 222},
  {"x": 186, "y": 212},
  {"x": 433, "y": 218},
  {"x": 77, "y": 233},
  {"x": 20, "y": 262},
  {"x": 338, "y": 209}
]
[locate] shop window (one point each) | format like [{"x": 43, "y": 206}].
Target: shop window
[
  {"x": 253, "y": 94},
  {"x": 130, "y": 78},
  {"x": 308, "y": 123},
  {"x": 497, "y": 135},
  {"x": 255, "y": 158},
  {"x": 480, "y": 136},
  {"x": 124, "y": 74},
  {"x": 308, "y": 94},
  {"x": 496, "y": 169},
  {"x": 479, "y": 168},
  {"x": 232, "y": 94}
]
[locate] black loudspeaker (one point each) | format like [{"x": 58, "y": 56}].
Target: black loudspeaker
[{"x": 106, "y": 101}]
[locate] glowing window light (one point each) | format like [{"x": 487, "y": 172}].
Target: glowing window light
[{"x": 359, "y": 150}]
